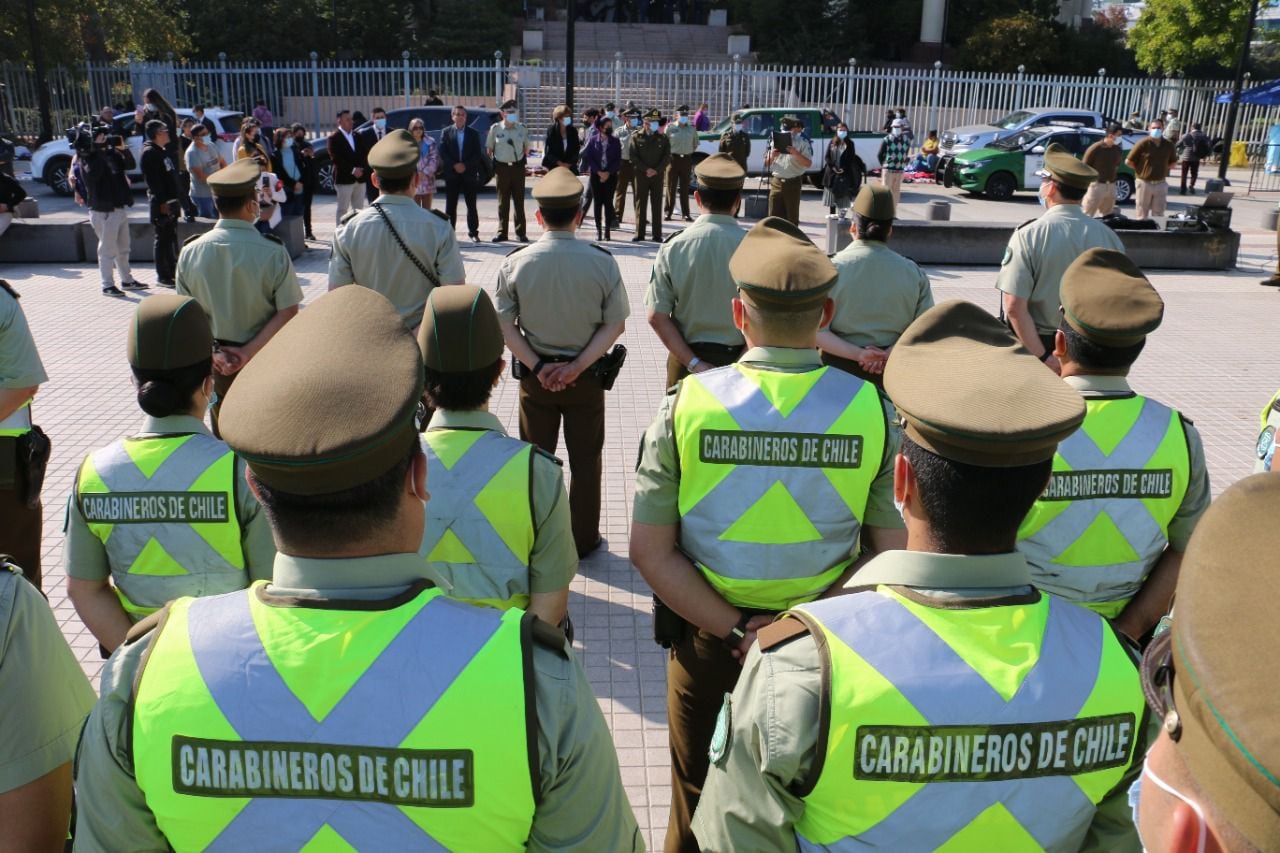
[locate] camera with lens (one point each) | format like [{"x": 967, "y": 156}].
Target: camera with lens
[{"x": 83, "y": 137}]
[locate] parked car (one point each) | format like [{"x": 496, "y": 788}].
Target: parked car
[
  {"x": 436, "y": 120},
  {"x": 1010, "y": 163},
  {"x": 51, "y": 162},
  {"x": 760, "y": 125},
  {"x": 958, "y": 140}
]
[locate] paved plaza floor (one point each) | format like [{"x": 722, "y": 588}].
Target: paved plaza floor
[{"x": 1214, "y": 359}]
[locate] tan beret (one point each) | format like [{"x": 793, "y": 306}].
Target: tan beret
[
  {"x": 1107, "y": 299},
  {"x": 169, "y": 332},
  {"x": 460, "y": 330},
  {"x": 560, "y": 188},
  {"x": 970, "y": 392},
  {"x": 875, "y": 201},
  {"x": 720, "y": 172},
  {"x": 235, "y": 180},
  {"x": 777, "y": 266},
  {"x": 395, "y": 155},
  {"x": 305, "y": 413},
  {"x": 1061, "y": 165}
]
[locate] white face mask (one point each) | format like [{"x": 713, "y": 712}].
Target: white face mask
[
  {"x": 737, "y": 128},
  {"x": 895, "y": 132},
  {"x": 842, "y": 133},
  {"x": 1135, "y": 793}
]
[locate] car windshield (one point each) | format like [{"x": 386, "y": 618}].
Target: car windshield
[
  {"x": 1014, "y": 141},
  {"x": 1013, "y": 119},
  {"x": 231, "y": 124},
  {"x": 720, "y": 128}
]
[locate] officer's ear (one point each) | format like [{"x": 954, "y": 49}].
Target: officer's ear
[
  {"x": 416, "y": 477},
  {"x": 739, "y": 315},
  {"x": 373, "y": 179},
  {"x": 1059, "y": 345},
  {"x": 904, "y": 479},
  {"x": 577, "y": 220},
  {"x": 828, "y": 313},
  {"x": 537, "y": 214}
]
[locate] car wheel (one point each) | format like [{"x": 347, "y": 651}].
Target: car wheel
[
  {"x": 56, "y": 172},
  {"x": 1000, "y": 186},
  {"x": 324, "y": 175},
  {"x": 1124, "y": 188}
]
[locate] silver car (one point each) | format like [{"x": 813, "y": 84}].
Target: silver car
[{"x": 958, "y": 140}]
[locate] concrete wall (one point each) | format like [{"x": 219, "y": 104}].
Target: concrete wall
[{"x": 74, "y": 242}]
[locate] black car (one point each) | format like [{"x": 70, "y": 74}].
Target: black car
[{"x": 436, "y": 120}]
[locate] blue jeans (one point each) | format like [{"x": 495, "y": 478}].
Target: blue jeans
[{"x": 205, "y": 208}]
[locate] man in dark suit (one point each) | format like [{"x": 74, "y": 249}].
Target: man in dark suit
[
  {"x": 461, "y": 156},
  {"x": 350, "y": 162},
  {"x": 368, "y": 138}
]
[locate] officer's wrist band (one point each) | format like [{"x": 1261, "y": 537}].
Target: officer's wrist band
[
  {"x": 537, "y": 368},
  {"x": 1046, "y": 355},
  {"x": 737, "y": 633},
  {"x": 694, "y": 362}
]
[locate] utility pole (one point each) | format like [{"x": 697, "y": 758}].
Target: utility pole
[
  {"x": 1241, "y": 61},
  {"x": 42, "y": 78},
  {"x": 568, "y": 54}
]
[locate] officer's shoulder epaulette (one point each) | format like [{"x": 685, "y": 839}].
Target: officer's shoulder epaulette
[
  {"x": 8, "y": 565},
  {"x": 1186, "y": 420},
  {"x": 780, "y": 633},
  {"x": 145, "y": 626},
  {"x": 518, "y": 249},
  {"x": 348, "y": 216},
  {"x": 672, "y": 236},
  {"x": 274, "y": 239},
  {"x": 192, "y": 239},
  {"x": 548, "y": 456},
  {"x": 1025, "y": 224},
  {"x": 600, "y": 248},
  {"x": 549, "y": 637},
  {"x": 8, "y": 288},
  {"x": 439, "y": 213}
]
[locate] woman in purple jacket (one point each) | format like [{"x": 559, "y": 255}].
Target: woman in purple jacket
[{"x": 600, "y": 161}]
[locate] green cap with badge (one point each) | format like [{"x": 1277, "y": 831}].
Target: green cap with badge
[
  {"x": 169, "y": 332},
  {"x": 1061, "y": 165},
  {"x": 720, "y": 172},
  {"x": 235, "y": 180},
  {"x": 560, "y": 188},
  {"x": 875, "y": 201},
  {"x": 1107, "y": 299},
  {"x": 653, "y": 115},
  {"x": 969, "y": 392},
  {"x": 303, "y": 412},
  {"x": 460, "y": 331},
  {"x": 790, "y": 121},
  {"x": 777, "y": 267},
  {"x": 395, "y": 155}
]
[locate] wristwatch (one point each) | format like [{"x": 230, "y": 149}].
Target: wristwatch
[
  {"x": 537, "y": 368},
  {"x": 1046, "y": 355},
  {"x": 694, "y": 362},
  {"x": 737, "y": 633}
]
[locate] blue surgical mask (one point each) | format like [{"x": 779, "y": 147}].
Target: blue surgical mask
[
  {"x": 1135, "y": 796},
  {"x": 611, "y": 114},
  {"x": 635, "y": 122},
  {"x": 1040, "y": 196},
  {"x": 513, "y": 117},
  {"x": 653, "y": 126},
  {"x": 380, "y": 123},
  {"x": 842, "y": 133},
  {"x": 1156, "y": 132},
  {"x": 567, "y": 120},
  {"x": 737, "y": 128},
  {"x": 684, "y": 119}
]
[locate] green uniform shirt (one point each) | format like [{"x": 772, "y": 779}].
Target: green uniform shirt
[
  {"x": 1198, "y": 495},
  {"x": 554, "y": 559},
  {"x": 683, "y": 138},
  {"x": 748, "y": 801},
  {"x": 877, "y": 295},
  {"x": 84, "y": 557},
  {"x": 1040, "y": 251},
  {"x": 1105, "y": 160},
  {"x": 20, "y": 365},
  {"x": 559, "y": 290},
  {"x": 649, "y": 150},
  {"x": 581, "y": 802},
  {"x": 507, "y": 142},
  {"x": 240, "y": 278},
  {"x": 1153, "y": 158},
  {"x": 737, "y": 144},
  {"x": 691, "y": 282},
  {"x": 46, "y": 696},
  {"x": 657, "y": 492},
  {"x": 366, "y": 253},
  {"x": 786, "y": 166}
]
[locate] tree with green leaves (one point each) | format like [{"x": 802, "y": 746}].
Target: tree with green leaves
[{"x": 1175, "y": 36}]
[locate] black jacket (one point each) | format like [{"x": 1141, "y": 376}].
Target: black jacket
[
  {"x": 11, "y": 192},
  {"x": 843, "y": 166},
  {"x": 562, "y": 151},
  {"x": 472, "y": 152},
  {"x": 159, "y": 172},
  {"x": 105, "y": 172},
  {"x": 345, "y": 158}
]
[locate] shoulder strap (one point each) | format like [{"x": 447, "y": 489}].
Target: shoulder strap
[{"x": 422, "y": 268}]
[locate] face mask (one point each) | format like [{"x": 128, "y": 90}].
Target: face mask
[
  {"x": 895, "y": 132},
  {"x": 513, "y": 117},
  {"x": 611, "y": 114},
  {"x": 1156, "y": 133},
  {"x": 842, "y": 133},
  {"x": 151, "y": 108},
  {"x": 608, "y": 131},
  {"x": 380, "y": 123},
  {"x": 737, "y": 128},
  {"x": 288, "y": 142},
  {"x": 684, "y": 119},
  {"x": 567, "y": 121},
  {"x": 653, "y": 126},
  {"x": 1135, "y": 795},
  {"x": 1040, "y": 197},
  {"x": 635, "y": 122}
]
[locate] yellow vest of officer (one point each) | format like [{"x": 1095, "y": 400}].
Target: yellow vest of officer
[
  {"x": 403, "y": 725},
  {"x": 17, "y": 423},
  {"x": 1103, "y": 522},
  {"x": 480, "y": 517},
  {"x": 969, "y": 729},
  {"x": 164, "y": 508},
  {"x": 775, "y": 470},
  {"x": 1266, "y": 446}
]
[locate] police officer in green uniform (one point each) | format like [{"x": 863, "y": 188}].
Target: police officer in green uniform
[
  {"x": 759, "y": 486},
  {"x": 21, "y": 375},
  {"x": 626, "y": 172},
  {"x": 1265, "y": 448},
  {"x": 394, "y": 246},
  {"x": 735, "y": 142},
  {"x": 788, "y": 169},
  {"x": 1208, "y": 782},
  {"x": 44, "y": 698},
  {"x": 1131, "y": 484},
  {"x": 562, "y": 305},
  {"x": 690, "y": 293},
  {"x": 508, "y": 146},
  {"x": 498, "y": 529},
  {"x": 166, "y": 512},
  {"x": 242, "y": 278},
  {"x": 943, "y": 702},
  {"x": 348, "y": 703},
  {"x": 650, "y": 154},
  {"x": 684, "y": 141},
  {"x": 1040, "y": 251},
  {"x": 878, "y": 294}
]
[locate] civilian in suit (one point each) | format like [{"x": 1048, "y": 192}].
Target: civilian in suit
[
  {"x": 461, "y": 157},
  {"x": 368, "y": 138},
  {"x": 350, "y": 165},
  {"x": 562, "y": 146}
]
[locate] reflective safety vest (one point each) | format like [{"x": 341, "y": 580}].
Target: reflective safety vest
[
  {"x": 1266, "y": 446},
  {"x": 479, "y": 531},
  {"x": 164, "y": 508},
  {"x": 397, "y": 725},
  {"x": 1103, "y": 522},
  {"x": 775, "y": 470},
  {"x": 970, "y": 729},
  {"x": 18, "y": 423}
]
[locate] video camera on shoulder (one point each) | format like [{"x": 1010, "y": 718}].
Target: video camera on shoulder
[{"x": 85, "y": 137}]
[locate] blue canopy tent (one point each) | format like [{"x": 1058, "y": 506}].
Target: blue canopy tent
[{"x": 1264, "y": 94}]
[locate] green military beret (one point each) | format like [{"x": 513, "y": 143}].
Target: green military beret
[
  {"x": 875, "y": 201},
  {"x": 720, "y": 172},
  {"x": 169, "y": 332},
  {"x": 1222, "y": 650},
  {"x": 460, "y": 330},
  {"x": 776, "y": 266},
  {"x": 653, "y": 115},
  {"x": 970, "y": 392},
  {"x": 304, "y": 412},
  {"x": 1107, "y": 299},
  {"x": 395, "y": 155},
  {"x": 1063, "y": 167},
  {"x": 560, "y": 188},
  {"x": 236, "y": 180}
]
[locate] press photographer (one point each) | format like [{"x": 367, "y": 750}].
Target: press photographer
[{"x": 105, "y": 162}]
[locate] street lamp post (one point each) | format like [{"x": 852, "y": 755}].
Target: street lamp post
[
  {"x": 568, "y": 54},
  {"x": 1234, "y": 109}
]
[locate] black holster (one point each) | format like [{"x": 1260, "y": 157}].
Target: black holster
[
  {"x": 669, "y": 627},
  {"x": 32, "y": 459}
]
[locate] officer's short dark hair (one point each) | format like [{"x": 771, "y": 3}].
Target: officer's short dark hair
[
  {"x": 558, "y": 217},
  {"x": 1069, "y": 193},
  {"x": 786, "y": 321},
  {"x": 342, "y": 113},
  {"x": 338, "y": 518},
  {"x": 154, "y": 127},
  {"x": 1091, "y": 356},
  {"x": 872, "y": 229},
  {"x": 394, "y": 185},
  {"x": 1114, "y": 128},
  {"x": 378, "y": 110},
  {"x": 461, "y": 391},
  {"x": 231, "y": 205},
  {"x": 199, "y": 108},
  {"x": 974, "y": 509},
  {"x": 162, "y": 393},
  {"x": 457, "y": 107},
  {"x": 718, "y": 201}
]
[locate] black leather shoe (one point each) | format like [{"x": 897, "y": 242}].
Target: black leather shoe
[
  {"x": 583, "y": 552},
  {"x": 639, "y": 238},
  {"x": 501, "y": 238}
]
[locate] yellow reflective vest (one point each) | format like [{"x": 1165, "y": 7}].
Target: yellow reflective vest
[{"x": 1265, "y": 449}]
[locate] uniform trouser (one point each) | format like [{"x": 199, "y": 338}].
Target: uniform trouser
[
  {"x": 602, "y": 200},
  {"x": 350, "y": 197},
  {"x": 1100, "y": 199},
  {"x": 166, "y": 243},
  {"x": 679, "y": 171},
  {"x": 1190, "y": 168},
  {"x": 853, "y": 368},
  {"x": 1151, "y": 198},
  {"x": 510, "y": 191},
  {"x": 625, "y": 176},
  {"x": 892, "y": 178},
  {"x": 784, "y": 198},
  {"x": 20, "y": 526},
  {"x": 648, "y": 195},
  {"x": 112, "y": 230},
  {"x": 581, "y": 407},
  {"x": 717, "y": 355},
  {"x": 466, "y": 185}
]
